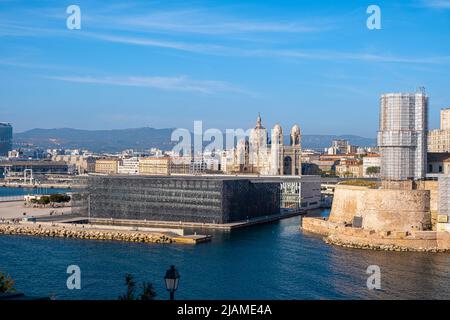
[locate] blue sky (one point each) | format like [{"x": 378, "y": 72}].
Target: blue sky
[{"x": 167, "y": 63}]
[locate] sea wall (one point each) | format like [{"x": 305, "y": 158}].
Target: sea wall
[
  {"x": 412, "y": 242},
  {"x": 432, "y": 186},
  {"x": 382, "y": 209},
  {"x": 338, "y": 234},
  {"x": 347, "y": 203},
  {"x": 392, "y": 219}
]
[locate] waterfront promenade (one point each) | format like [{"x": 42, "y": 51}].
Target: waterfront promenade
[
  {"x": 50, "y": 185},
  {"x": 16, "y": 210}
]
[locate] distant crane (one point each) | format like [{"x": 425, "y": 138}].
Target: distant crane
[
  {"x": 421, "y": 90},
  {"x": 28, "y": 173}
]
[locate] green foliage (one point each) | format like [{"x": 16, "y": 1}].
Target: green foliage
[
  {"x": 6, "y": 283},
  {"x": 373, "y": 170},
  {"x": 43, "y": 200},
  {"x": 59, "y": 198},
  {"x": 54, "y": 198},
  {"x": 361, "y": 183},
  {"x": 148, "y": 292},
  {"x": 327, "y": 173},
  {"x": 131, "y": 288}
]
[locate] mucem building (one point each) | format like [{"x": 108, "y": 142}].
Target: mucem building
[
  {"x": 403, "y": 136},
  {"x": 201, "y": 199}
]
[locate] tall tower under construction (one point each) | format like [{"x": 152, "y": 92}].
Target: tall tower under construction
[{"x": 403, "y": 136}]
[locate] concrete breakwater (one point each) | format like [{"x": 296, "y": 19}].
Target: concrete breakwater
[{"x": 48, "y": 230}]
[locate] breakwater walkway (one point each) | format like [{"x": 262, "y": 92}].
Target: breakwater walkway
[{"x": 93, "y": 232}]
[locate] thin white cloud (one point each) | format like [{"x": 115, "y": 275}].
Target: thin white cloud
[
  {"x": 280, "y": 53},
  {"x": 19, "y": 64},
  {"x": 179, "y": 83},
  {"x": 193, "y": 21},
  {"x": 356, "y": 56},
  {"x": 149, "y": 42},
  {"x": 226, "y": 50},
  {"x": 207, "y": 23},
  {"x": 436, "y": 4},
  {"x": 187, "y": 22}
]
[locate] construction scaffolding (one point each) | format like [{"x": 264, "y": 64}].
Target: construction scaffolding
[
  {"x": 444, "y": 195},
  {"x": 403, "y": 136}
]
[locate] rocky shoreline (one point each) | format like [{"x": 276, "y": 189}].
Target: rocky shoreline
[
  {"x": 42, "y": 230},
  {"x": 380, "y": 247}
]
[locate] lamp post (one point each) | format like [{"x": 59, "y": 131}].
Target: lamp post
[{"x": 172, "y": 278}]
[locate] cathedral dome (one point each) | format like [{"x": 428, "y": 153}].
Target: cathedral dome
[
  {"x": 277, "y": 129},
  {"x": 295, "y": 136},
  {"x": 295, "y": 130}
]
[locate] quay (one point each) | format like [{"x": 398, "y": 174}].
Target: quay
[
  {"x": 186, "y": 224},
  {"x": 38, "y": 186}
]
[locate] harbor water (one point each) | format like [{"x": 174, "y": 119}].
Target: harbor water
[
  {"x": 270, "y": 261},
  {"x": 13, "y": 194}
]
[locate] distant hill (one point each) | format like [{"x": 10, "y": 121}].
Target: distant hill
[
  {"x": 140, "y": 139},
  {"x": 97, "y": 140},
  {"x": 317, "y": 141}
]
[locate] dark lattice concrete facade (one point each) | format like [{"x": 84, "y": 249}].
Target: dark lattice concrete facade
[{"x": 183, "y": 198}]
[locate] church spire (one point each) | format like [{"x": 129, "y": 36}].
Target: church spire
[{"x": 258, "y": 121}]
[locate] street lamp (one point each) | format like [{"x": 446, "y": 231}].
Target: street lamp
[{"x": 172, "y": 278}]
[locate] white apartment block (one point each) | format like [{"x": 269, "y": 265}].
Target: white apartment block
[
  {"x": 439, "y": 139},
  {"x": 371, "y": 161},
  {"x": 129, "y": 166}
]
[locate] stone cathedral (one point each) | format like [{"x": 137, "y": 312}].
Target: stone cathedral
[{"x": 264, "y": 156}]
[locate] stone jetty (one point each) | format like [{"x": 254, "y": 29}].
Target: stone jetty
[{"x": 58, "y": 231}]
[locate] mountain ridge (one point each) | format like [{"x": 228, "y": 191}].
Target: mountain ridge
[{"x": 114, "y": 140}]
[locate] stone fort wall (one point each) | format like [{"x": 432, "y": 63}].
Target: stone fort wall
[
  {"x": 338, "y": 234},
  {"x": 382, "y": 209}
]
